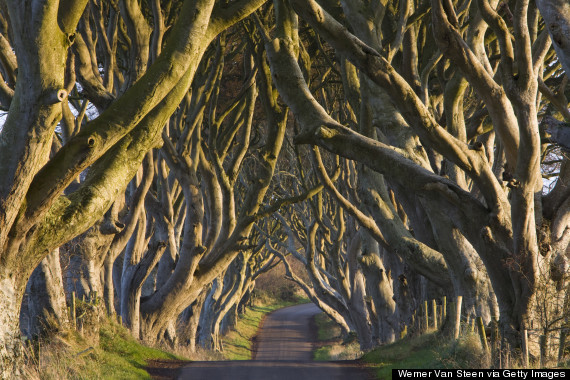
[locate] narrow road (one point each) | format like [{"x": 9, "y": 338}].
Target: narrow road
[
  {"x": 286, "y": 335},
  {"x": 284, "y": 352}
]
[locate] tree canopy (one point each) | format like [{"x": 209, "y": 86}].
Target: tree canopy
[{"x": 174, "y": 150}]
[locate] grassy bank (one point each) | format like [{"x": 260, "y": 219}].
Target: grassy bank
[
  {"x": 119, "y": 356},
  {"x": 71, "y": 356},
  {"x": 427, "y": 351},
  {"x": 330, "y": 344},
  {"x": 430, "y": 350},
  {"x": 116, "y": 355},
  {"x": 406, "y": 353}
]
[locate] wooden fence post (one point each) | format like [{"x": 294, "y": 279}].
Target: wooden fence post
[
  {"x": 505, "y": 354},
  {"x": 495, "y": 344},
  {"x": 457, "y": 316},
  {"x": 434, "y": 312},
  {"x": 451, "y": 317},
  {"x": 482, "y": 334},
  {"x": 73, "y": 312},
  {"x": 426, "y": 315},
  {"x": 404, "y": 332},
  {"x": 525, "y": 348}
]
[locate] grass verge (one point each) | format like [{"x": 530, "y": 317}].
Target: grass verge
[
  {"x": 431, "y": 350},
  {"x": 406, "y": 353},
  {"x": 330, "y": 344},
  {"x": 118, "y": 356},
  {"x": 125, "y": 358}
]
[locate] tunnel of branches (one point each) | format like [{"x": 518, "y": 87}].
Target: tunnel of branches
[{"x": 157, "y": 157}]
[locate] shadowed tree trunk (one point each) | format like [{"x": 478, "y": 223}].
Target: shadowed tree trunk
[
  {"x": 47, "y": 309},
  {"x": 190, "y": 320}
]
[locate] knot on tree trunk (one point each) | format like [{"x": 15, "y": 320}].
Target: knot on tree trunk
[{"x": 54, "y": 96}]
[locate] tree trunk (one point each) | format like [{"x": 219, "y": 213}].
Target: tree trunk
[
  {"x": 47, "y": 310},
  {"x": 190, "y": 319},
  {"x": 136, "y": 269},
  {"x": 360, "y": 314},
  {"x": 86, "y": 257},
  {"x": 208, "y": 315},
  {"x": 230, "y": 320},
  {"x": 11, "y": 345},
  {"x": 379, "y": 288},
  {"x": 108, "y": 284},
  {"x": 166, "y": 265},
  {"x": 130, "y": 294}
]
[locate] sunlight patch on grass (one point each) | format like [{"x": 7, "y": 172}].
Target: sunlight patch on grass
[
  {"x": 327, "y": 328},
  {"x": 333, "y": 346},
  {"x": 406, "y": 353},
  {"x": 118, "y": 356},
  {"x": 431, "y": 350},
  {"x": 122, "y": 357}
]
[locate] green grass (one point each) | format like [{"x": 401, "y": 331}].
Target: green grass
[
  {"x": 427, "y": 351},
  {"x": 118, "y": 356},
  {"x": 327, "y": 329},
  {"x": 322, "y": 354},
  {"x": 328, "y": 332},
  {"x": 406, "y": 353},
  {"x": 332, "y": 344},
  {"x": 121, "y": 357},
  {"x": 238, "y": 343},
  {"x": 430, "y": 350}
]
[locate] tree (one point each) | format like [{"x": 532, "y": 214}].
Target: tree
[
  {"x": 441, "y": 106},
  {"x": 36, "y": 216},
  {"x": 455, "y": 180},
  {"x": 349, "y": 277},
  {"x": 556, "y": 15}
]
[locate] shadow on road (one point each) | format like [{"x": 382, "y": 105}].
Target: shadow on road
[{"x": 284, "y": 347}]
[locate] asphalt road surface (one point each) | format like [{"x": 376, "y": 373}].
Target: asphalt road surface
[{"x": 284, "y": 352}]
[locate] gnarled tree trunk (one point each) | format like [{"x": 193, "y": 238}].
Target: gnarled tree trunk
[{"x": 47, "y": 309}]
